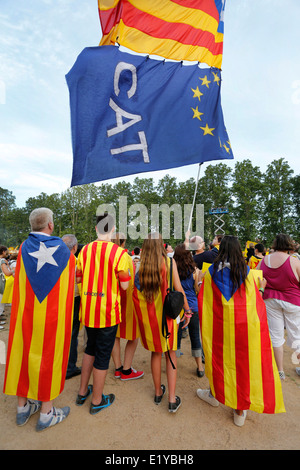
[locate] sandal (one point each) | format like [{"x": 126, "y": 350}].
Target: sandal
[
  {"x": 158, "y": 398},
  {"x": 81, "y": 398}
]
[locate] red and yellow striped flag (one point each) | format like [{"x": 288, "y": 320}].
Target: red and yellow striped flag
[
  {"x": 39, "y": 336},
  {"x": 174, "y": 29},
  {"x": 150, "y": 318},
  {"x": 239, "y": 359}
]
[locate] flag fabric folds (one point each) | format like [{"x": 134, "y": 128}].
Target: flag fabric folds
[
  {"x": 239, "y": 359},
  {"x": 132, "y": 114},
  {"x": 40, "y": 329},
  {"x": 174, "y": 29}
]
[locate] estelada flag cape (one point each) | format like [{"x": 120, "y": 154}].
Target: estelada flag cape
[
  {"x": 41, "y": 319},
  {"x": 239, "y": 359},
  {"x": 128, "y": 328},
  {"x": 149, "y": 316}
]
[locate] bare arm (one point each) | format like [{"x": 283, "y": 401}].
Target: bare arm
[
  {"x": 178, "y": 287},
  {"x": 6, "y": 270}
]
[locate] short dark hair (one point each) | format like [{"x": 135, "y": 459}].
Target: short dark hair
[
  {"x": 105, "y": 223},
  {"x": 282, "y": 242},
  {"x": 259, "y": 247},
  {"x": 2, "y": 249},
  {"x": 219, "y": 236}
]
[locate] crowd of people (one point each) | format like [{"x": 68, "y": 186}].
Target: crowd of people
[{"x": 236, "y": 321}]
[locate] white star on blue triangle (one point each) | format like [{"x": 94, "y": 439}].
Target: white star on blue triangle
[{"x": 44, "y": 255}]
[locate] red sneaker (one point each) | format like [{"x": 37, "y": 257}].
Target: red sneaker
[
  {"x": 134, "y": 374},
  {"x": 117, "y": 374}
]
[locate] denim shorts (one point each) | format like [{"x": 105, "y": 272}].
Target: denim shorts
[{"x": 100, "y": 342}]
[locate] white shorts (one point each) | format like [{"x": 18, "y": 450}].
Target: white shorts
[{"x": 283, "y": 314}]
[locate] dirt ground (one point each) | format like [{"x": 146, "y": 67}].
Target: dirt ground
[{"x": 135, "y": 423}]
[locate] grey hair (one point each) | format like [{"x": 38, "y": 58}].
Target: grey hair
[
  {"x": 39, "y": 218},
  {"x": 70, "y": 240}
]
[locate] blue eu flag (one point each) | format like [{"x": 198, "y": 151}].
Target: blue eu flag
[{"x": 132, "y": 114}]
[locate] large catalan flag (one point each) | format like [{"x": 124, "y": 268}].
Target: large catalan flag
[
  {"x": 100, "y": 265},
  {"x": 239, "y": 359},
  {"x": 150, "y": 317},
  {"x": 41, "y": 319},
  {"x": 174, "y": 29},
  {"x": 128, "y": 328}
]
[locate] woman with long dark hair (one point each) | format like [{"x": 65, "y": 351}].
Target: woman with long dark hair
[
  {"x": 188, "y": 275},
  {"x": 239, "y": 359},
  {"x": 151, "y": 283}
]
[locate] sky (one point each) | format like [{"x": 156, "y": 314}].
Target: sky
[{"x": 41, "y": 39}]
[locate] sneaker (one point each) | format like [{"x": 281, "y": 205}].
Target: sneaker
[
  {"x": 59, "y": 414},
  {"x": 158, "y": 398},
  {"x": 106, "y": 401},
  {"x": 206, "y": 395},
  {"x": 298, "y": 370},
  {"x": 173, "y": 407},
  {"x": 118, "y": 372},
  {"x": 81, "y": 398},
  {"x": 134, "y": 374},
  {"x": 22, "y": 418},
  {"x": 2, "y": 322},
  {"x": 281, "y": 374},
  {"x": 239, "y": 420}
]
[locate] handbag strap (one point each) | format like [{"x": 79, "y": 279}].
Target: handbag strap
[{"x": 171, "y": 274}]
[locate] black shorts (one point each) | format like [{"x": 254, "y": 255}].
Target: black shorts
[{"x": 100, "y": 342}]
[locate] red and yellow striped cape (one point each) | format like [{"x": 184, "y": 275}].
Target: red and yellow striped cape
[
  {"x": 39, "y": 336},
  {"x": 239, "y": 359},
  {"x": 150, "y": 317},
  {"x": 100, "y": 264},
  {"x": 128, "y": 328}
]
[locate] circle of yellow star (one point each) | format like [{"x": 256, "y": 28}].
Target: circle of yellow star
[
  {"x": 197, "y": 113},
  {"x": 207, "y": 130},
  {"x": 197, "y": 93},
  {"x": 205, "y": 81}
]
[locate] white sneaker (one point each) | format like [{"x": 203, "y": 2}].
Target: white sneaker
[
  {"x": 207, "y": 396},
  {"x": 239, "y": 420}
]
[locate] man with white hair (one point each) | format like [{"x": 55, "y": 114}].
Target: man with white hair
[{"x": 41, "y": 323}]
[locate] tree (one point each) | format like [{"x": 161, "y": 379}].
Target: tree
[
  {"x": 246, "y": 189},
  {"x": 277, "y": 198},
  {"x": 214, "y": 191},
  {"x": 296, "y": 202},
  {"x": 7, "y": 204}
]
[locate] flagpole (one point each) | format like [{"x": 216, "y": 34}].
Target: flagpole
[{"x": 194, "y": 199}]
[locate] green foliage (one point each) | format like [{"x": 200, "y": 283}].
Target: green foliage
[{"x": 260, "y": 205}]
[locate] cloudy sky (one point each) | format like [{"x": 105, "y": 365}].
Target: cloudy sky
[{"x": 41, "y": 39}]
